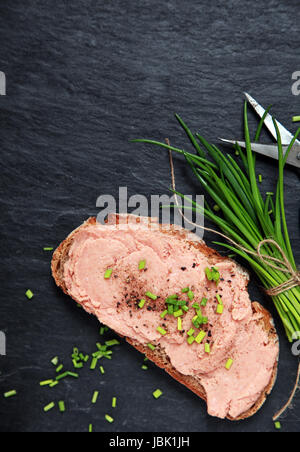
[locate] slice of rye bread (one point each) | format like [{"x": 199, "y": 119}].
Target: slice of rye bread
[{"x": 158, "y": 356}]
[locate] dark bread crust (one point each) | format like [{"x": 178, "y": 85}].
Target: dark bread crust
[{"x": 158, "y": 356}]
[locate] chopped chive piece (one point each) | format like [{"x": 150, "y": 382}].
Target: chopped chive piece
[
  {"x": 108, "y": 273},
  {"x": 179, "y": 324},
  {"x": 77, "y": 365},
  {"x": 191, "y": 295},
  {"x": 157, "y": 394},
  {"x": 205, "y": 320},
  {"x": 72, "y": 374},
  {"x": 142, "y": 265},
  {"x": 204, "y": 302},
  {"x": 195, "y": 306},
  {"x": 213, "y": 274},
  {"x": 161, "y": 331},
  {"x": 278, "y": 424},
  {"x": 61, "y": 406},
  {"x": 95, "y": 397},
  {"x": 61, "y": 376},
  {"x": 216, "y": 208},
  {"x": 163, "y": 314},
  {"x": 109, "y": 419},
  {"x": 151, "y": 296},
  {"x": 185, "y": 308},
  {"x": 144, "y": 367},
  {"x": 102, "y": 370},
  {"x": 190, "y": 340},
  {"x": 209, "y": 274},
  {"x": 229, "y": 364},
  {"x": 49, "y": 407},
  {"x": 59, "y": 368},
  {"x": 29, "y": 294},
  {"x": 112, "y": 343},
  {"x": 172, "y": 297},
  {"x": 55, "y": 361},
  {"x": 260, "y": 178},
  {"x": 178, "y": 313},
  {"x": 9, "y": 394},
  {"x": 191, "y": 332},
  {"x": 48, "y": 248},
  {"x": 46, "y": 382},
  {"x": 186, "y": 290},
  {"x": 170, "y": 309},
  {"x": 219, "y": 299},
  {"x": 296, "y": 118},
  {"x": 93, "y": 364},
  {"x": 220, "y": 309},
  {"x": 142, "y": 304},
  {"x": 207, "y": 348},
  {"x": 114, "y": 402},
  {"x": 146, "y": 359},
  {"x": 91, "y": 428},
  {"x": 200, "y": 337},
  {"x": 151, "y": 346},
  {"x": 53, "y": 384}
]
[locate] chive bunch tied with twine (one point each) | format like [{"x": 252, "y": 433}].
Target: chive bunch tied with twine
[{"x": 253, "y": 224}]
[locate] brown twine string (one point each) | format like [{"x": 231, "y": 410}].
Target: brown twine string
[{"x": 284, "y": 265}]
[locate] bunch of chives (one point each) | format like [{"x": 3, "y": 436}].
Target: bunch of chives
[{"x": 244, "y": 213}]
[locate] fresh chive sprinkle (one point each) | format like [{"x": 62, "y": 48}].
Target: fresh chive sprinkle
[
  {"x": 220, "y": 309},
  {"x": 144, "y": 367},
  {"x": 151, "y": 296},
  {"x": 179, "y": 324},
  {"x": 196, "y": 306},
  {"x": 190, "y": 340},
  {"x": 185, "y": 308},
  {"x": 178, "y": 313},
  {"x": 157, "y": 394},
  {"x": 102, "y": 370},
  {"x": 112, "y": 343},
  {"x": 204, "y": 302},
  {"x": 151, "y": 346},
  {"x": 142, "y": 265},
  {"x": 207, "y": 348},
  {"x": 278, "y": 424},
  {"x": 61, "y": 376},
  {"x": 216, "y": 208},
  {"x": 229, "y": 364},
  {"x": 55, "y": 383},
  {"x": 114, "y": 402},
  {"x": 93, "y": 364},
  {"x": 55, "y": 361},
  {"x": 170, "y": 309},
  {"x": 204, "y": 320},
  {"x": 48, "y": 249},
  {"x": 191, "y": 332},
  {"x": 296, "y": 118},
  {"x": 29, "y": 294},
  {"x": 72, "y": 374},
  {"x": 59, "y": 368},
  {"x": 91, "y": 428},
  {"x": 191, "y": 295},
  {"x": 200, "y": 337},
  {"x": 161, "y": 331},
  {"x": 9, "y": 394},
  {"x": 186, "y": 290},
  {"x": 260, "y": 178},
  {"x": 142, "y": 304},
  {"x": 61, "y": 406},
  {"x": 163, "y": 314},
  {"x": 172, "y": 297},
  {"x": 95, "y": 397},
  {"x": 219, "y": 299},
  {"x": 49, "y": 407},
  {"x": 108, "y": 273},
  {"x": 46, "y": 382},
  {"x": 109, "y": 419}
]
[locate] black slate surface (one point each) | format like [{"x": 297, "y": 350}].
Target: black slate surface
[{"x": 83, "y": 77}]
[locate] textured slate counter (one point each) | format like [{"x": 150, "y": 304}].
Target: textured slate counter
[{"x": 84, "y": 77}]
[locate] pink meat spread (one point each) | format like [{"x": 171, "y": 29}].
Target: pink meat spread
[{"x": 174, "y": 263}]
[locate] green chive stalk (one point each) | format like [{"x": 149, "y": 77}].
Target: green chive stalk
[{"x": 244, "y": 213}]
